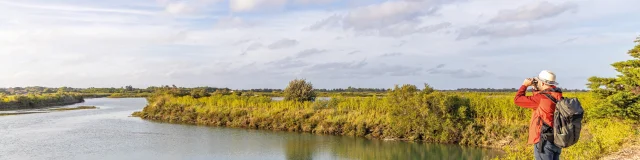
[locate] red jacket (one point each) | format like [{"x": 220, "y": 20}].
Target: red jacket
[{"x": 542, "y": 107}]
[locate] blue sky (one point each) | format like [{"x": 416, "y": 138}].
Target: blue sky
[{"x": 332, "y": 43}]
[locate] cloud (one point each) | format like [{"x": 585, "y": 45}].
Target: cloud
[
  {"x": 75, "y": 8},
  {"x": 254, "y": 46},
  {"x": 241, "y": 42},
  {"x": 334, "y": 66},
  {"x": 255, "y": 5},
  {"x": 287, "y": 63},
  {"x": 187, "y": 6},
  {"x": 402, "y": 43},
  {"x": 390, "y": 18},
  {"x": 503, "y": 31},
  {"x": 534, "y": 11},
  {"x": 353, "y": 52},
  {"x": 458, "y": 73},
  {"x": 569, "y": 40},
  {"x": 394, "y": 54},
  {"x": 313, "y": 1},
  {"x": 401, "y": 30},
  {"x": 283, "y": 43},
  {"x": 178, "y": 7},
  {"x": 309, "y": 52},
  {"x": 361, "y": 69}
]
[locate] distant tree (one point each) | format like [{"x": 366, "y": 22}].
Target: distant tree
[
  {"x": 129, "y": 88},
  {"x": 428, "y": 89},
  {"x": 62, "y": 89},
  {"x": 620, "y": 96},
  {"x": 299, "y": 90},
  {"x": 198, "y": 93},
  {"x": 222, "y": 91}
]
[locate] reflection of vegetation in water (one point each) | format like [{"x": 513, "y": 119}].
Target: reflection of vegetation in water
[
  {"x": 306, "y": 146},
  {"x": 359, "y": 148},
  {"x": 299, "y": 148}
]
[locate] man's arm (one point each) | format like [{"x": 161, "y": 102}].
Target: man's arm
[{"x": 525, "y": 101}]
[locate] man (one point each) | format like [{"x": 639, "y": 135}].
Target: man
[{"x": 540, "y": 131}]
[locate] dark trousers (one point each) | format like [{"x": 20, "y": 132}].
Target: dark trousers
[{"x": 546, "y": 150}]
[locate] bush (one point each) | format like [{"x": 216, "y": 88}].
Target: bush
[{"x": 299, "y": 90}]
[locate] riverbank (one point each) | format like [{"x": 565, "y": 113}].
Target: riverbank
[
  {"x": 15, "y": 102},
  {"x": 472, "y": 119}
]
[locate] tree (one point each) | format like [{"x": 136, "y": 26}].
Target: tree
[
  {"x": 620, "y": 96},
  {"x": 62, "y": 89},
  {"x": 428, "y": 89},
  {"x": 200, "y": 92},
  {"x": 129, "y": 88},
  {"x": 299, "y": 90}
]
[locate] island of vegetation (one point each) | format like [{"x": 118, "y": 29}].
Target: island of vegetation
[
  {"x": 33, "y": 101},
  {"x": 486, "y": 119}
]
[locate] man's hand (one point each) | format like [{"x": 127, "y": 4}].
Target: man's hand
[{"x": 527, "y": 82}]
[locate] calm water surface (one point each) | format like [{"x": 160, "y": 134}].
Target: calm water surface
[{"x": 110, "y": 133}]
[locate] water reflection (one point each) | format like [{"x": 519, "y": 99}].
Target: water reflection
[
  {"x": 307, "y": 147},
  {"x": 299, "y": 148}
]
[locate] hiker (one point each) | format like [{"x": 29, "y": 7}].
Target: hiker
[{"x": 540, "y": 130}]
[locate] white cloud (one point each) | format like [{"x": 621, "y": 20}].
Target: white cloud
[
  {"x": 253, "y": 5},
  {"x": 390, "y": 18},
  {"x": 503, "y": 31},
  {"x": 534, "y": 11},
  {"x": 283, "y": 43},
  {"x": 313, "y": 1},
  {"x": 178, "y": 7},
  {"x": 188, "y": 6},
  {"x": 73, "y": 8}
]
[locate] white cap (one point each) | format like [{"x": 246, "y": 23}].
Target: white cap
[{"x": 547, "y": 77}]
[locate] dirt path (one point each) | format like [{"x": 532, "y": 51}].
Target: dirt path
[{"x": 632, "y": 152}]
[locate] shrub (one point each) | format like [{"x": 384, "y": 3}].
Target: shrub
[{"x": 299, "y": 90}]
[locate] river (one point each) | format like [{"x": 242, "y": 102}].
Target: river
[{"x": 110, "y": 133}]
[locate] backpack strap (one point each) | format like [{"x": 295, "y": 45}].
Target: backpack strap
[{"x": 554, "y": 100}]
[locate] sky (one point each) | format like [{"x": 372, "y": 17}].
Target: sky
[{"x": 245, "y": 44}]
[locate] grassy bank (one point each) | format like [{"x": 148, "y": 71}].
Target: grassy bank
[
  {"x": 38, "y": 101},
  {"x": 474, "y": 119}
]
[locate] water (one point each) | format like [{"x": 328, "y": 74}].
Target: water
[{"x": 110, "y": 133}]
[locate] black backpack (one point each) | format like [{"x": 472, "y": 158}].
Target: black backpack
[{"x": 567, "y": 121}]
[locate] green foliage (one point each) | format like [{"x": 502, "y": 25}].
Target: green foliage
[
  {"x": 299, "y": 90},
  {"x": 38, "y": 100},
  {"x": 620, "y": 96},
  {"x": 197, "y": 93}
]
